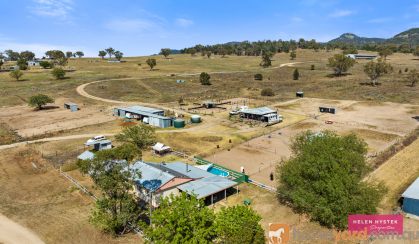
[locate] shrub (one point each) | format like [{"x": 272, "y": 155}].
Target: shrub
[
  {"x": 22, "y": 64},
  {"x": 296, "y": 74},
  {"x": 204, "y": 78},
  {"x": 58, "y": 73},
  {"x": 313, "y": 67},
  {"x": 16, "y": 74},
  {"x": 267, "y": 92},
  {"x": 258, "y": 77},
  {"x": 45, "y": 64},
  {"x": 406, "y": 69}
]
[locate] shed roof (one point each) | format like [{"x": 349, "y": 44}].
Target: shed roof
[
  {"x": 150, "y": 113},
  {"x": 145, "y": 109},
  {"x": 258, "y": 111},
  {"x": 152, "y": 178},
  {"x": 160, "y": 147},
  {"x": 207, "y": 186},
  {"x": 101, "y": 142},
  {"x": 86, "y": 155},
  {"x": 412, "y": 191},
  {"x": 70, "y": 104},
  {"x": 188, "y": 170}
]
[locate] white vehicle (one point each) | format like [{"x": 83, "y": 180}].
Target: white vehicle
[{"x": 95, "y": 139}]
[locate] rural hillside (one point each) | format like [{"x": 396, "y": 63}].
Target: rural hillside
[{"x": 153, "y": 122}]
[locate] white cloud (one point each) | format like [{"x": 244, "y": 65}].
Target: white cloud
[
  {"x": 53, "y": 8},
  {"x": 183, "y": 22},
  {"x": 341, "y": 13},
  {"x": 126, "y": 25}
]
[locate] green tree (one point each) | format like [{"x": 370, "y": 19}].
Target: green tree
[
  {"x": 68, "y": 54},
  {"x": 12, "y": 55},
  {"x": 117, "y": 210},
  {"x": 165, "y": 52},
  {"x": 141, "y": 136},
  {"x": 266, "y": 59},
  {"x": 413, "y": 77},
  {"x": 296, "y": 74},
  {"x": 181, "y": 219},
  {"x": 1, "y": 63},
  {"x": 205, "y": 78},
  {"x": 79, "y": 54},
  {"x": 151, "y": 62},
  {"x": 22, "y": 63},
  {"x": 293, "y": 55},
  {"x": 324, "y": 178},
  {"x": 16, "y": 74},
  {"x": 267, "y": 92},
  {"x": 118, "y": 55},
  {"x": 27, "y": 55},
  {"x": 102, "y": 54},
  {"x": 384, "y": 52},
  {"x": 239, "y": 224},
  {"x": 208, "y": 53},
  {"x": 46, "y": 64},
  {"x": 58, "y": 73},
  {"x": 110, "y": 51},
  {"x": 350, "y": 50},
  {"x": 39, "y": 100},
  {"x": 192, "y": 51},
  {"x": 340, "y": 63},
  {"x": 374, "y": 70}
]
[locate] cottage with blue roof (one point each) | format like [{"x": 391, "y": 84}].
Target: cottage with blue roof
[{"x": 160, "y": 180}]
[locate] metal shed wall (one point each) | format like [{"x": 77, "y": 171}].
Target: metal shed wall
[{"x": 411, "y": 206}]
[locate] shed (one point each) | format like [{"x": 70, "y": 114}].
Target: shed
[
  {"x": 411, "y": 198},
  {"x": 151, "y": 116},
  {"x": 72, "y": 106},
  {"x": 263, "y": 114},
  {"x": 180, "y": 81},
  {"x": 100, "y": 145},
  {"x": 160, "y": 148},
  {"x": 330, "y": 110},
  {"x": 299, "y": 94}
]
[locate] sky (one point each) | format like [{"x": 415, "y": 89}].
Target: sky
[{"x": 143, "y": 27}]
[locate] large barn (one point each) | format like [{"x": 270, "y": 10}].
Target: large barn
[
  {"x": 411, "y": 198},
  {"x": 151, "y": 116}
]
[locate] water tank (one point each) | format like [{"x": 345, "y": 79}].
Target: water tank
[
  {"x": 196, "y": 119},
  {"x": 179, "y": 123}
]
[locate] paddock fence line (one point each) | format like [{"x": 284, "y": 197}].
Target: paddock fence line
[
  {"x": 90, "y": 194},
  {"x": 263, "y": 186}
]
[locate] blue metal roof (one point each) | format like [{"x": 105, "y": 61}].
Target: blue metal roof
[
  {"x": 86, "y": 155},
  {"x": 412, "y": 191},
  {"x": 151, "y": 177},
  {"x": 207, "y": 186},
  {"x": 258, "y": 111}
]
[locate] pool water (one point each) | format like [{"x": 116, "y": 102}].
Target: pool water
[{"x": 219, "y": 172}]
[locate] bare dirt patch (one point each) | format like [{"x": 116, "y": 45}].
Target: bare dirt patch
[{"x": 28, "y": 123}]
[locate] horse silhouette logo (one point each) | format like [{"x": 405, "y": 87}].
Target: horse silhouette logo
[{"x": 279, "y": 233}]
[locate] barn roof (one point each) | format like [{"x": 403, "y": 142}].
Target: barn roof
[
  {"x": 86, "y": 155},
  {"x": 150, "y": 112},
  {"x": 207, "y": 186},
  {"x": 412, "y": 191}
]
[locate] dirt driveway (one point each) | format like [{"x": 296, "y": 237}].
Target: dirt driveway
[{"x": 12, "y": 233}]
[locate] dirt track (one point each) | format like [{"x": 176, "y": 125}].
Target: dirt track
[{"x": 12, "y": 232}]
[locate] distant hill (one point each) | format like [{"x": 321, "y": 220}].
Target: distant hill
[
  {"x": 410, "y": 36},
  {"x": 353, "y": 39}
]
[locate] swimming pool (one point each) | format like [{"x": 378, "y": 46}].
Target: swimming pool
[{"x": 217, "y": 171}]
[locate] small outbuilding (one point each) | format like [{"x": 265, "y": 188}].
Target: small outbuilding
[
  {"x": 100, "y": 145},
  {"x": 329, "y": 110},
  {"x": 72, "y": 106},
  {"x": 147, "y": 115},
  {"x": 160, "y": 148},
  {"x": 299, "y": 94},
  {"x": 86, "y": 155},
  {"x": 411, "y": 198},
  {"x": 263, "y": 114},
  {"x": 361, "y": 56}
]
